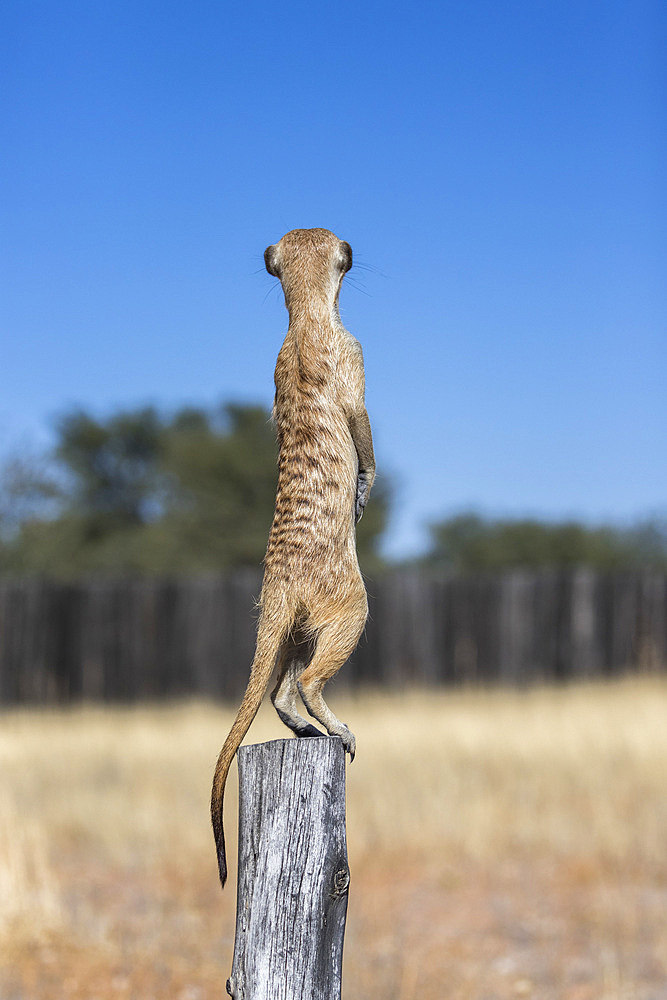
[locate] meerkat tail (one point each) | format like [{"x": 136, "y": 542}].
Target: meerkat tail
[
  {"x": 260, "y": 675},
  {"x": 326, "y": 469}
]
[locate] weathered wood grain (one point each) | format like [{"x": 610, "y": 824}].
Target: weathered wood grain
[{"x": 293, "y": 871}]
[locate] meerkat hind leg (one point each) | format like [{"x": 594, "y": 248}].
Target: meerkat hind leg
[
  {"x": 294, "y": 658},
  {"x": 334, "y": 645}
]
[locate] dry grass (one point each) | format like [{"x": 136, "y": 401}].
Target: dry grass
[{"x": 502, "y": 844}]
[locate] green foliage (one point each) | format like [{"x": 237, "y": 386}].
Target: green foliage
[
  {"x": 27, "y": 490},
  {"x": 221, "y": 470},
  {"x": 113, "y": 467},
  {"x": 147, "y": 494},
  {"x": 470, "y": 543}
]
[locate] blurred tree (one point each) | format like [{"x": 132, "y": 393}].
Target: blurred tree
[
  {"x": 28, "y": 490},
  {"x": 142, "y": 493},
  {"x": 113, "y": 469},
  {"x": 468, "y": 542},
  {"x": 221, "y": 469}
]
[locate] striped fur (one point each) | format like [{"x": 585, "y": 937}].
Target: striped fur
[{"x": 313, "y": 602}]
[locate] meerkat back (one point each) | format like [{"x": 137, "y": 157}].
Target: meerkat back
[{"x": 313, "y": 604}]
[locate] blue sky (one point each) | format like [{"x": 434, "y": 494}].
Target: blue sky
[{"x": 498, "y": 168}]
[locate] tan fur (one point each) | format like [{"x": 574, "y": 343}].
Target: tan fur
[{"x": 313, "y": 601}]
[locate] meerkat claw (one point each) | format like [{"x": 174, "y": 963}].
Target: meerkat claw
[{"x": 349, "y": 743}]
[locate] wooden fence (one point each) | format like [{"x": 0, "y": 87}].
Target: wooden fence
[{"x": 126, "y": 640}]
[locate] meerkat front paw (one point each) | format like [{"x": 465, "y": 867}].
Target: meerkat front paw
[{"x": 361, "y": 498}]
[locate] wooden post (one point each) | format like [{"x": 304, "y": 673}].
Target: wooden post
[{"x": 293, "y": 874}]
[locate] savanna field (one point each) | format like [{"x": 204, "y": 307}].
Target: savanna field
[{"x": 502, "y": 844}]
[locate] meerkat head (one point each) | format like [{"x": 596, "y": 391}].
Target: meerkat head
[{"x": 310, "y": 263}]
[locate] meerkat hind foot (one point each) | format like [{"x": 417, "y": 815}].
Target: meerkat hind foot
[
  {"x": 320, "y": 711},
  {"x": 298, "y": 725},
  {"x": 349, "y": 742},
  {"x": 307, "y": 730},
  {"x": 285, "y": 705}
]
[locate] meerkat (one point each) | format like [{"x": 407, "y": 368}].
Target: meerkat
[{"x": 313, "y": 604}]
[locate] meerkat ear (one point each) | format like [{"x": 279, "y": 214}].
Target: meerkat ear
[
  {"x": 346, "y": 255},
  {"x": 270, "y": 261}
]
